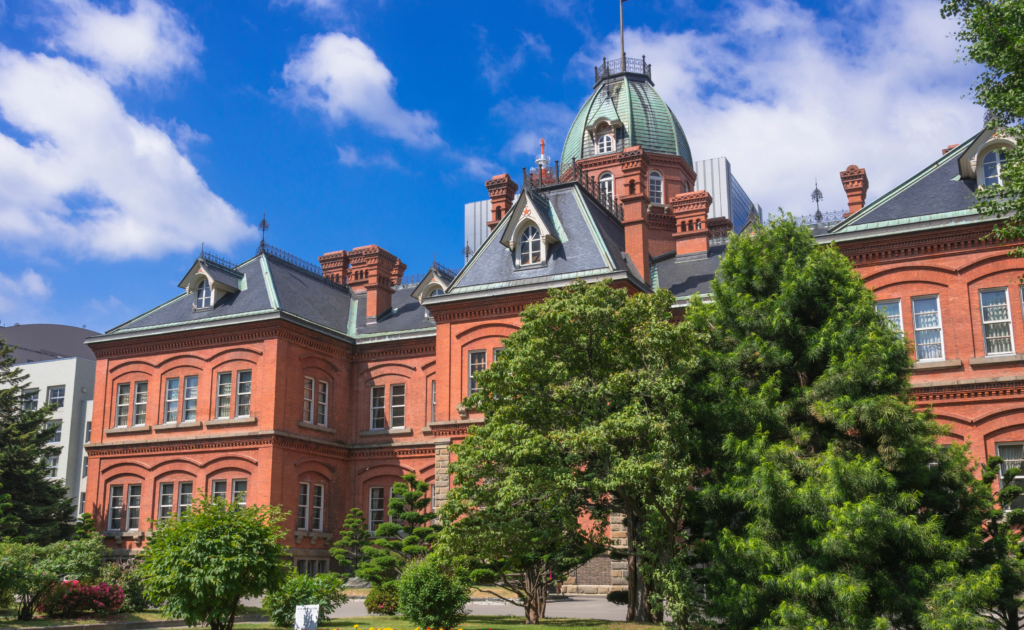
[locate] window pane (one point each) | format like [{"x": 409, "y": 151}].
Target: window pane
[
  {"x": 655, "y": 187},
  {"x": 141, "y": 391},
  {"x": 238, "y": 491},
  {"x": 321, "y": 403},
  {"x": 123, "y": 402},
  {"x": 318, "y": 505},
  {"x": 224, "y": 395},
  {"x": 477, "y": 362},
  {"x": 300, "y": 521},
  {"x": 1013, "y": 457},
  {"x": 56, "y": 396},
  {"x": 166, "y": 500},
  {"x": 116, "y": 506},
  {"x": 220, "y": 489},
  {"x": 30, "y": 400},
  {"x": 307, "y": 400},
  {"x": 891, "y": 312},
  {"x": 184, "y": 496},
  {"x": 927, "y": 330},
  {"x": 171, "y": 401},
  {"x": 377, "y": 408},
  {"x": 398, "y": 405},
  {"x": 433, "y": 401},
  {"x": 191, "y": 397},
  {"x": 995, "y": 315},
  {"x": 56, "y": 436},
  {"x": 85, "y": 465},
  {"x": 134, "y": 506},
  {"x": 244, "y": 393},
  {"x": 376, "y": 508}
]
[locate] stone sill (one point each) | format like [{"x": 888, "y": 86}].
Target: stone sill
[
  {"x": 313, "y": 536},
  {"x": 315, "y": 427},
  {"x": 174, "y": 426},
  {"x": 921, "y": 366},
  {"x": 135, "y": 534},
  {"x": 1002, "y": 359},
  {"x": 386, "y": 432},
  {"x": 226, "y": 422},
  {"x": 116, "y": 430},
  {"x": 429, "y": 429}
]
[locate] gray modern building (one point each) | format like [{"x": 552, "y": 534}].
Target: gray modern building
[{"x": 728, "y": 199}]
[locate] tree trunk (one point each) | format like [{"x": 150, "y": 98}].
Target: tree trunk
[
  {"x": 1013, "y": 619},
  {"x": 25, "y": 612},
  {"x": 639, "y": 609},
  {"x": 533, "y": 587},
  {"x": 543, "y": 606}
]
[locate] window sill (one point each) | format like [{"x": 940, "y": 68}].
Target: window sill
[
  {"x": 374, "y": 432},
  {"x": 540, "y": 265},
  {"x": 299, "y": 534},
  {"x": 223, "y": 422},
  {"x": 1001, "y": 359},
  {"x": 116, "y": 430},
  {"x": 173, "y": 426},
  {"x": 315, "y": 427},
  {"x": 136, "y": 534},
  {"x": 920, "y": 366}
]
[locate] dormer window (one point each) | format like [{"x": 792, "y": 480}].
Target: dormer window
[
  {"x": 654, "y": 187},
  {"x": 204, "y": 295},
  {"x": 436, "y": 292},
  {"x": 529, "y": 247},
  {"x": 993, "y": 165},
  {"x": 605, "y": 144}
]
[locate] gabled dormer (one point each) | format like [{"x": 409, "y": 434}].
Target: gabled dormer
[
  {"x": 435, "y": 283},
  {"x": 984, "y": 159},
  {"x": 531, "y": 231},
  {"x": 208, "y": 282}
]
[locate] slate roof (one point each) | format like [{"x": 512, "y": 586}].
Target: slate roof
[
  {"x": 647, "y": 120},
  {"x": 687, "y": 277},
  {"x": 935, "y": 192},
  {"x": 46, "y": 342}
]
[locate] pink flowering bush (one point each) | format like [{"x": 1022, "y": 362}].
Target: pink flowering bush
[{"x": 72, "y": 599}]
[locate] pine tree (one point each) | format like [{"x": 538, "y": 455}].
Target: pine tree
[
  {"x": 830, "y": 503},
  {"x": 40, "y": 504}
]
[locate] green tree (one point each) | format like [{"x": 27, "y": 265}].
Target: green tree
[
  {"x": 379, "y": 557},
  {"x": 593, "y": 403},
  {"x": 991, "y": 33},
  {"x": 198, "y": 566},
  {"x": 326, "y": 590},
  {"x": 434, "y": 594},
  {"x": 8, "y": 522},
  {"x": 524, "y": 546},
  {"x": 85, "y": 526},
  {"x": 30, "y": 571},
  {"x": 41, "y": 505},
  {"x": 830, "y": 503}
]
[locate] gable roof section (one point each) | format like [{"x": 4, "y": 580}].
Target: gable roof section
[{"x": 936, "y": 192}]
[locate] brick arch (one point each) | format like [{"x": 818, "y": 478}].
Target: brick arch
[
  {"x": 1012, "y": 272},
  {"x": 317, "y": 361},
  {"x": 311, "y": 464},
  {"x": 429, "y": 364},
  {"x": 141, "y": 367},
  {"x": 371, "y": 368},
  {"x": 492, "y": 330},
  {"x": 249, "y": 362},
  {"x": 1000, "y": 258},
  {"x": 232, "y": 457},
  {"x": 187, "y": 360},
  {"x": 178, "y": 460},
  {"x": 375, "y": 471},
  {"x": 128, "y": 465},
  {"x": 910, "y": 268},
  {"x": 917, "y": 281}
]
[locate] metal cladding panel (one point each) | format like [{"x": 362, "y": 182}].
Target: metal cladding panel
[
  {"x": 713, "y": 176},
  {"x": 739, "y": 203},
  {"x": 478, "y": 213}
]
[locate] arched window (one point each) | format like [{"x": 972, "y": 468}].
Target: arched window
[
  {"x": 204, "y": 296},
  {"x": 606, "y": 184},
  {"x": 993, "y": 164},
  {"x": 605, "y": 143},
  {"x": 436, "y": 292},
  {"x": 529, "y": 246},
  {"x": 655, "y": 187}
]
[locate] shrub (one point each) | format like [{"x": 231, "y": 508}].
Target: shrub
[
  {"x": 383, "y": 599},
  {"x": 72, "y": 598},
  {"x": 432, "y": 595},
  {"x": 619, "y": 598},
  {"x": 126, "y": 575},
  {"x": 326, "y": 589},
  {"x": 31, "y": 571}
]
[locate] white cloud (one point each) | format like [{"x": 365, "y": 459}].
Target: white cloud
[
  {"x": 788, "y": 96},
  {"x": 14, "y": 292},
  {"x": 91, "y": 179},
  {"x": 479, "y": 167},
  {"x": 342, "y": 77},
  {"x": 351, "y": 156},
  {"x": 107, "y": 306},
  {"x": 532, "y": 120},
  {"x": 150, "y": 42},
  {"x": 184, "y": 135},
  {"x": 495, "y": 71},
  {"x": 323, "y": 8}
]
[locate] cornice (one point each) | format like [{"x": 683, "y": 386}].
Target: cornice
[
  {"x": 398, "y": 351},
  {"x": 956, "y": 392},
  {"x": 183, "y": 340},
  {"x": 505, "y": 306}
]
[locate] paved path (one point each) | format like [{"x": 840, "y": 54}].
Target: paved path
[{"x": 575, "y": 607}]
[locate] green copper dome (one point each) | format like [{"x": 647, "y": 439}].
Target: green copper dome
[{"x": 627, "y": 101}]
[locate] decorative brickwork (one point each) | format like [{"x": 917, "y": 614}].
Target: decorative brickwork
[
  {"x": 502, "y": 191},
  {"x": 855, "y": 183}
]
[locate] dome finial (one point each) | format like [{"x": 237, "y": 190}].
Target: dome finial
[{"x": 622, "y": 36}]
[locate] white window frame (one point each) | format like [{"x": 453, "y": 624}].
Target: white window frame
[
  {"x": 656, "y": 176},
  {"x": 214, "y": 492},
  {"x": 184, "y": 498},
  {"x": 302, "y": 514},
  {"x": 30, "y": 400},
  {"x": 370, "y": 522},
  {"x": 606, "y": 180},
  {"x": 942, "y": 337},
  {"x": 433, "y": 400},
  {"x": 899, "y": 311},
  {"x": 190, "y": 409},
  {"x": 308, "y": 395},
  {"x": 140, "y": 400},
  {"x": 60, "y": 429},
  {"x": 1008, "y": 320},
  {"x": 115, "y": 505},
  {"x": 323, "y": 398},
  {"x": 526, "y": 245},
  {"x": 378, "y": 408},
  {"x": 223, "y": 409},
  {"x": 316, "y": 512},
  {"x": 165, "y": 509},
  {"x": 204, "y": 295},
  {"x": 1000, "y": 165},
  {"x": 55, "y": 395},
  {"x": 244, "y": 492},
  {"x": 134, "y": 506},
  {"x": 85, "y": 466},
  {"x": 1006, "y": 466},
  {"x": 397, "y": 410},
  {"x": 53, "y": 466},
  {"x": 171, "y": 397},
  {"x": 122, "y": 404},
  {"x": 243, "y": 394},
  {"x": 603, "y": 148},
  {"x": 471, "y": 383}
]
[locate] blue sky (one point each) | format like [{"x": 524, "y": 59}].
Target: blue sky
[{"x": 134, "y": 131}]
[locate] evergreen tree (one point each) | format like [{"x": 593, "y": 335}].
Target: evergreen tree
[
  {"x": 41, "y": 505},
  {"x": 352, "y": 537},
  {"x": 830, "y": 503}
]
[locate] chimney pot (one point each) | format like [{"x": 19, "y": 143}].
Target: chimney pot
[
  {"x": 691, "y": 213},
  {"x": 855, "y": 183},
  {"x": 502, "y": 191}
]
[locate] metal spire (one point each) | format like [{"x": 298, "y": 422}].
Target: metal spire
[
  {"x": 263, "y": 227},
  {"x": 622, "y": 36},
  {"x": 816, "y": 197}
]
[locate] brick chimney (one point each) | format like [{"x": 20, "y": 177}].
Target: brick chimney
[
  {"x": 502, "y": 191},
  {"x": 635, "y": 164},
  {"x": 949, "y": 148},
  {"x": 691, "y": 213},
  {"x": 374, "y": 271},
  {"x": 335, "y": 266},
  {"x": 855, "y": 183}
]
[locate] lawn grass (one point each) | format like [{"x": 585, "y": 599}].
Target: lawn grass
[{"x": 9, "y": 618}]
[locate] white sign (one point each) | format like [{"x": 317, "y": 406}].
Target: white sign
[{"x": 306, "y": 616}]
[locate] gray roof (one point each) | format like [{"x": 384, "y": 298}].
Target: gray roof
[
  {"x": 685, "y": 276},
  {"x": 46, "y": 342},
  {"x": 406, "y": 315}
]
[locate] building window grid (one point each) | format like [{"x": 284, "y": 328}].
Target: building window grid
[
  {"x": 377, "y": 506},
  {"x": 928, "y": 329},
  {"x": 477, "y": 363},
  {"x": 81, "y": 503},
  {"x": 85, "y": 466},
  {"x": 243, "y": 397},
  {"x": 166, "y": 500},
  {"x": 224, "y": 395},
  {"x": 397, "y": 406},
  {"x": 239, "y": 489},
  {"x": 890, "y": 310},
  {"x": 377, "y": 414},
  {"x": 606, "y": 184},
  {"x": 996, "y": 325},
  {"x": 115, "y": 511},
  {"x": 300, "y": 521},
  {"x": 322, "y": 396},
  {"x": 52, "y": 466},
  {"x": 134, "y": 505},
  {"x": 220, "y": 489},
  {"x": 316, "y": 514},
  {"x": 171, "y": 401},
  {"x": 654, "y": 187},
  {"x": 88, "y": 431},
  {"x": 55, "y": 439},
  {"x": 191, "y": 398},
  {"x": 184, "y": 496},
  {"x": 1013, "y": 457},
  {"x": 530, "y": 247},
  {"x": 307, "y": 400},
  {"x": 55, "y": 396},
  {"x": 993, "y": 164},
  {"x": 141, "y": 394},
  {"x": 30, "y": 400},
  {"x": 204, "y": 296},
  {"x": 433, "y": 401},
  {"x": 124, "y": 399},
  {"x": 605, "y": 143}
]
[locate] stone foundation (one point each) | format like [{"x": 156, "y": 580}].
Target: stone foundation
[{"x": 602, "y": 575}]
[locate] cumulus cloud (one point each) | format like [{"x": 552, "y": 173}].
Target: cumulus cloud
[
  {"x": 495, "y": 70},
  {"x": 15, "y": 291},
  {"x": 152, "y": 41},
  {"x": 85, "y": 176},
  {"x": 351, "y": 156},
  {"x": 532, "y": 120},
  {"x": 788, "y": 96},
  {"x": 342, "y": 78}
]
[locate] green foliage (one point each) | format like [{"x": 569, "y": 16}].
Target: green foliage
[
  {"x": 830, "y": 503},
  {"x": 198, "y": 566},
  {"x": 85, "y": 526},
  {"x": 36, "y": 509},
  {"x": 126, "y": 574},
  {"x": 380, "y": 557},
  {"x": 30, "y": 571},
  {"x": 434, "y": 595},
  {"x": 326, "y": 590},
  {"x": 592, "y": 407},
  {"x": 382, "y": 599}
]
